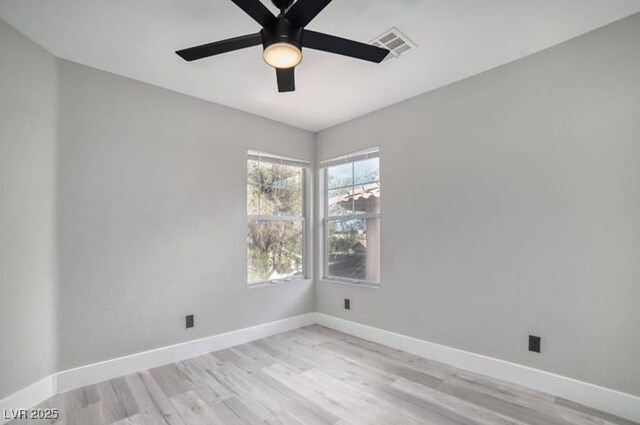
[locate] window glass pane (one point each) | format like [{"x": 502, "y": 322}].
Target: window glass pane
[
  {"x": 285, "y": 176},
  {"x": 367, "y": 171},
  {"x": 253, "y": 200},
  {"x": 340, "y": 175},
  {"x": 340, "y": 201},
  {"x": 354, "y": 249},
  {"x": 260, "y": 196},
  {"x": 274, "y": 250},
  {"x": 267, "y": 200},
  {"x": 277, "y": 187},
  {"x": 253, "y": 173},
  {"x": 366, "y": 198},
  {"x": 288, "y": 193}
]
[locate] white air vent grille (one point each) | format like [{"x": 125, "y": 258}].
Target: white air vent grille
[{"x": 395, "y": 41}]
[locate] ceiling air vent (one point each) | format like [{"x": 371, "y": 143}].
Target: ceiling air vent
[{"x": 395, "y": 41}]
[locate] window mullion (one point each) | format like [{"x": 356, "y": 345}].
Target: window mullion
[
  {"x": 353, "y": 187},
  {"x": 347, "y": 217},
  {"x": 275, "y": 218}
]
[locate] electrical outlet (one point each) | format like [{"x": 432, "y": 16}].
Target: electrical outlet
[
  {"x": 190, "y": 321},
  {"x": 534, "y": 343},
  {"x": 347, "y": 304}
]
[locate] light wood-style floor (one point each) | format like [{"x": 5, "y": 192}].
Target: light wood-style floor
[{"x": 312, "y": 376}]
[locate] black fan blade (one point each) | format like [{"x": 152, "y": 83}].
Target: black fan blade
[
  {"x": 256, "y": 10},
  {"x": 286, "y": 79},
  {"x": 342, "y": 46},
  {"x": 303, "y": 11},
  {"x": 217, "y": 47}
]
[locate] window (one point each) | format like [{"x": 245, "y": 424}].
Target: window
[
  {"x": 275, "y": 218},
  {"x": 352, "y": 218}
]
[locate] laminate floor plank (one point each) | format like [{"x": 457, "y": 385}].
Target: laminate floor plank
[
  {"x": 333, "y": 401},
  {"x": 193, "y": 410},
  {"x": 595, "y": 414},
  {"x": 151, "y": 399},
  {"x": 384, "y": 364},
  {"x": 378, "y": 383},
  {"x": 313, "y": 376},
  {"x": 111, "y": 407},
  {"x": 206, "y": 388},
  {"x": 374, "y": 381},
  {"x": 445, "y": 403},
  {"x": 356, "y": 347},
  {"x": 467, "y": 393},
  {"x": 171, "y": 380},
  {"x": 526, "y": 401}
]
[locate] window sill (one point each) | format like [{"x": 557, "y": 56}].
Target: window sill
[
  {"x": 277, "y": 283},
  {"x": 351, "y": 283}
]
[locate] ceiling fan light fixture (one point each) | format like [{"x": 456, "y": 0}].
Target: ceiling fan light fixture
[
  {"x": 282, "y": 55},
  {"x": 283, "y": 37}
]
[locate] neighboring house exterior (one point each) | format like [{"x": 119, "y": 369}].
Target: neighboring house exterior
[{"x": 364, "y": 199}]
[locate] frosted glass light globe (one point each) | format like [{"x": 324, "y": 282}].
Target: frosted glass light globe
[{"x": 282, "y": 55}]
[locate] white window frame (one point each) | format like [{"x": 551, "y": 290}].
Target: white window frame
[
  {"x": 260, "y": 156},
  {"x": 325, "y": 217}
]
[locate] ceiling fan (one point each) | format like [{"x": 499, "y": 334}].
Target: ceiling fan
[{"x": 283, "y": 38}]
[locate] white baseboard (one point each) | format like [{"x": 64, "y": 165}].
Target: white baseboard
[
  {"x": 607, "y": 400},
  {"x": 97, "y": 372},
  {"x": 28, "y": 397},
  {"x": 102, "y": 371},
  {"x": 615, "y": 402}
]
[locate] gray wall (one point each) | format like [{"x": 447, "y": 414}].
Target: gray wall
[
  {"x": 123, "y": 210},
  {"x": 152, "y": 217},
  {"x": 510, "y": 206},
  {"x": 27, "y": 211}
]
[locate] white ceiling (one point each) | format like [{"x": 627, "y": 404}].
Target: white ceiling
[{"x": 455, "y": 38}]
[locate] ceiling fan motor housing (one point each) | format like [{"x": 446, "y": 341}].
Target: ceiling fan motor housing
[{"x": 283, "y": 31}]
